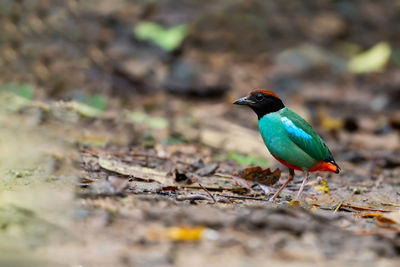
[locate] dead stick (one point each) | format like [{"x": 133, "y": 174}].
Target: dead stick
[
  {"x": 338, "y": 206},
  {"x": 208, "y": 192},
  {"x": 223, "y": 175},
  {"x": 244, "y": 197},
  {"x": 235, "y": 190},
  {"x": 192, "y": 197},
  {"x": 138, "y": 154}
]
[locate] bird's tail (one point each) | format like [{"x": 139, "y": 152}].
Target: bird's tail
[{"x": 334, "y": 167}]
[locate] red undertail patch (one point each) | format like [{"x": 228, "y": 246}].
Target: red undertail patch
[
  {"x": 322, "y": 166},
  {"x": 325, "y": 167}
]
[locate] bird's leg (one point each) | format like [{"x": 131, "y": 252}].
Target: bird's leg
[
  {"x": 291, "y": 177},
  {"x": 305, "y": 180}
]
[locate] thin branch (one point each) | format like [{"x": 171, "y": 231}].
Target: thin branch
[
  {"x": 244, "y": 197},
  {"x": 208, "y": 192},
  {"x": 192, "y": 197},
  {"x": 338, "y": 206}
]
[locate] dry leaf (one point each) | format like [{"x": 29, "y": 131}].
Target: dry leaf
[
  {"x": 369, "y": 215},
  {"x": 294, "y": 203},
  {"x": 384, "y": 220},
  {"x": 136, "y": 171},
  {"x": 330, "y": 123},
  {"x": 242, "y": 182},
  {"x": 260, "y": 176}
]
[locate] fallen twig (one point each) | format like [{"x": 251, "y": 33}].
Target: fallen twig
[
  {"x": 208, "y": 192},
  {"x": 217, "y": 188},
  {"x": 139, "y": 154},
  {"x": 224, "y": 175},
  {"x": 244, "y": 197},
  {"x": 202, "y": 197},
  {"x": 338, "y": 206},
  {"x": 193, "y": 197}
]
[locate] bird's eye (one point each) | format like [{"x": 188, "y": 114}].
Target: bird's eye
[{"x": 259, "y": 97}]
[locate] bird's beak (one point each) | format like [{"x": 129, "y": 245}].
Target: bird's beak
[{"x": 243, "y": 101}]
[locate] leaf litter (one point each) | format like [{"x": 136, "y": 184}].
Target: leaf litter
[
  {"x": 188, "y": 191},
  {"x": 201, "y": 142}
]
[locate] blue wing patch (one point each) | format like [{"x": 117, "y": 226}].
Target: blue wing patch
[{"x": 293, "y": 129}]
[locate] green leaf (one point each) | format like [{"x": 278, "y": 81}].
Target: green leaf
[
  {"x": 158, "y": 123},
  {"x": 174, "y": 140},
  {"x": 14, "y": 97},
  {"x": 93, "y": 141},
  {"x": 148, "y": 31},
  {"x": 94, "y": 101},
  {"x": 20, "y": 173},
  {"x": 22, "y": 90},
  {"x": 166, "y": 38},
  {"x": 151, "y": 121},
  {"x": 137, "y": 116},
  {"x": 88, "y": 105},
  {"x": 83, "y": 109},
  {"x": 396, "y": 57},
  {"x": 372, "y": 60}
]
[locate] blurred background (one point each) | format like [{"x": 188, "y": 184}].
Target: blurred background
[
  {"x": 125, "y": 49},
  {"x": 342, "y": 54},
  {"x": 149, "y": 74}
]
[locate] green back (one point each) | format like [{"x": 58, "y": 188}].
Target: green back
[{"x": 313, "y": 146}]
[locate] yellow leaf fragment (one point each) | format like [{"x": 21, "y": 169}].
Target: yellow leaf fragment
[
  {"x": 188, "y": 234},
  {"x": 332, "y": 123},
  {"x": 321, "y": 187},
  {"x": 371, "y": 215},
  {"x": 314, "y": 208},
  {"x": 338, "y": 206},
  {"x": 294, "y": 203},
  {"x": 359, "y": 191},
  {"x": 328, "y": 122}
]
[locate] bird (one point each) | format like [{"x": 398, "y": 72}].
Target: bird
[{"x": 289, "y": 138}]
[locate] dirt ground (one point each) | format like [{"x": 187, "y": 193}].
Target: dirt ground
[
  {"x": 116, "y": 152},
  {"x": 77, "y": 203}
]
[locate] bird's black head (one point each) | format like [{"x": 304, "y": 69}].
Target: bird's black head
[{"x": 261, "y": 101}]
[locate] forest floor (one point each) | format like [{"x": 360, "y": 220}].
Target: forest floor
[
  {"x": 104, "y": 191},
  {"x": 120, "y": 149}
]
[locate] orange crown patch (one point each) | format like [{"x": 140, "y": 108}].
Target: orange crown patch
[{"x": 264, "y": 91}]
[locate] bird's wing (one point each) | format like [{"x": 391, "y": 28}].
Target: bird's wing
[{"x": 304, "y": 136}]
